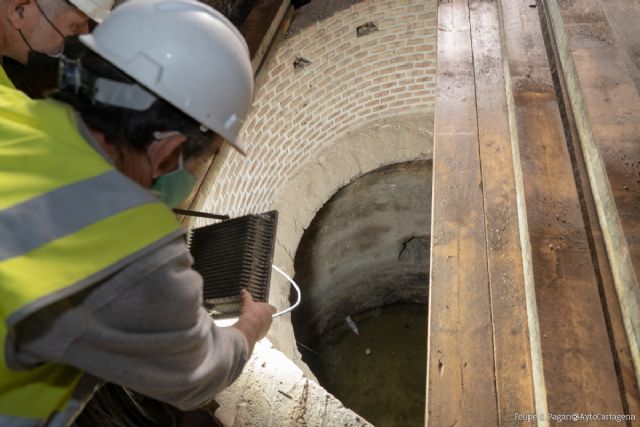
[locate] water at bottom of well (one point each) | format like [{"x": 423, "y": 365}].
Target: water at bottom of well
[{"x": 380, "y": 373}]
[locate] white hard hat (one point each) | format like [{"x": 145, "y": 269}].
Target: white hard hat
[
  {"x": 94, "y": 9},
  {"x": 186, "y": 53}
]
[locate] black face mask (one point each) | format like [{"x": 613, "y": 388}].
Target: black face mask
[
  {"x": 41, "y": 61},
  {"x": 73, "y": 49},
  {"x": 40, "y": 74},
  {"x": 41, "y": 70}
]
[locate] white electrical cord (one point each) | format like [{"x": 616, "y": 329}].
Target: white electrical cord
[
  {"x": 295, "y": 286},
  {"x": 232, "y": 320}
]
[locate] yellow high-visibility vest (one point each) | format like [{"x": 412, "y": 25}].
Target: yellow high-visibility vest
[
  {"x": 68, "y": 219},
  {"x": 4, "y": 79}
]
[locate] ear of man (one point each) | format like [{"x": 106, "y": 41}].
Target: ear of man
[
  {"x": 164, "y": 153},
  {"x": 18, "y": 12}
]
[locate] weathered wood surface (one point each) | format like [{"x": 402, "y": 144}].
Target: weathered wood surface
[
  {"x": 578, "y": 377},
  {"x": 460, "y": 371},
  {"x": 514, "y": 377},
  {"x": 476, "y": 239},
  {"x": 609, "y": 24},
  {"x": 620, "y": 345},
  {"x": 597, "y": 50}
]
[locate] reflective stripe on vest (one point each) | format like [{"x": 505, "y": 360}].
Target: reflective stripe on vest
[
  {"x": 8, "y": 421},
  {"x": 58, "y": 419},
  {"x": 67, "y": 221},
  {"x": 23, "y": 227}
]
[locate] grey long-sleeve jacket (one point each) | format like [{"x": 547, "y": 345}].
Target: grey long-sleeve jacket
[{"x": 143, "y": 328}]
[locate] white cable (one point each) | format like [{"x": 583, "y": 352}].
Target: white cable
[
  {"x": 232, "y": 320},
  {"x": 295, "y": 286}
]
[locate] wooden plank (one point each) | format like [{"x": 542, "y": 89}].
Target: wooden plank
[
  {"x": 460, "y": 366},
  {"x": 620, "y": 346},
  {"x": 577, "y": 378},
  {"x": 460, "y": 379},
  {"x": 261, "y": 26},
  {"x": 455, "y": 104},
  {"x": 623, "y": 16},
  {"x": 606, "y": 105},
  {"x": 514, "y": 376},
  {"x": 610, "y": 24}
]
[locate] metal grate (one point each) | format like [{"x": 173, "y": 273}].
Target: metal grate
[{"x": 232, "y": 255}]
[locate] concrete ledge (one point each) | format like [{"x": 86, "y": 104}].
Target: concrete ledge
[{"x": 273, "y": 392}]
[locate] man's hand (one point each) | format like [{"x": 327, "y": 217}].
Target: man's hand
[{"x": 255, "y": 319}]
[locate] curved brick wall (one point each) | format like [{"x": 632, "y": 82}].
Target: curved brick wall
[
  {"x": 351, "y": 80},
  {"x": 361, "y": 103}
]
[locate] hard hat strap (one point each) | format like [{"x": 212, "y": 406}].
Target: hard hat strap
[
  {"x": 73, "y": 78},
  {"x": 125, "y": 95}
]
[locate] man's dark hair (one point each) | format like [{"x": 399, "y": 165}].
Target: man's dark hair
[{"x": 126, "y": 127}]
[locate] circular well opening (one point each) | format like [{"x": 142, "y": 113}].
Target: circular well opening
[{"x": 363, "y": 266}]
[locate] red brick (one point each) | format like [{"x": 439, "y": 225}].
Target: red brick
[
  {"x": 387, "y": 39},
  {"x": 425, "y": 48},
  {"x": 405, "y": 66}
]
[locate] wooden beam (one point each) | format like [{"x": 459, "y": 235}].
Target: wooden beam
[
  {"x": 260, "y": 27},
  {"x": 606, "y": 106},
  {"x": 514, "y": 376},
  {"x": 570, "y": 311},
  {"x": 460, "y": 368},
  {"x": 620, "y": 345}
]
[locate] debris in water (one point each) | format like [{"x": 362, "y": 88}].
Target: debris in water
[
  {"x": 367, "y": 351},
  {"x": 352, "y": 325},
  {"x": 308, "y": 348}
]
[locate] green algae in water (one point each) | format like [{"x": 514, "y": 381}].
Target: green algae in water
[{"x": 381, "y": 373}]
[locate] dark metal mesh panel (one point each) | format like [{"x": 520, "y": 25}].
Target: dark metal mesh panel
[{"x": 232, "y": 255}]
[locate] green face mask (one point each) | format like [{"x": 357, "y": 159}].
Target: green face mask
[{"x": 173, "y": 187}]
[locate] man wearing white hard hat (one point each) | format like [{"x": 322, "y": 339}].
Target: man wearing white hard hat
[
  {"x": 96, "y": 281},
  {"x": 33, "y": 31}
]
